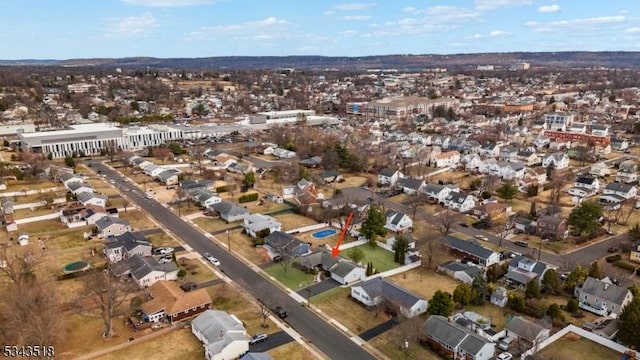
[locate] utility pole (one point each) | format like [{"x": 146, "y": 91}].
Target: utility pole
[{"x": 228, "y": 241}]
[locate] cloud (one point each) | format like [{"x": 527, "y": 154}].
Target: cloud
[
  {"x": 353, "y": 6},
  {"x": 497, "y": 4},
  {"x": 167, "y": 3},
  {"x": 329, "y": 12},
  {"x": 497, "y": 33},
  {"x": 591, "y": 24},
  {"x": 355, "y": 17},
  {"x": 270, "y": 27},
  {"x": 633, "y": 30},
  {"x": 549, "y": 8},
  {"x": 131, "y": 26},
  {"x": 433, "y": 19},
  {"x": 349, "y": 33}
]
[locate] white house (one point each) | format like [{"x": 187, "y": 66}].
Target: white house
[
  {"x": 446, "y": 159},
  {"x": 77, "y": 188},
  {"x": 125, "y": 246},
  {"x": 87, "y": 198},
  {"x": 600, "y": 169},
  {"x": 602, "y": 297},
  {"x": 374, "y": 291},
  {"x": 511, "y": 170},
  {"x": 559, "y": 160},
  {"x": 256, "y": 223},
  {"x": 588, "y": 182},
  {"x": 460, "y": 201},
  {"x": 456, "y": 341},
  {"x": 388, "y": 177},
  {"x": 438, "y": 193},
  {"x": 111, "y": 226},
  {"x": 398, "y": 222},
  {"x": 472, "y": 162},
  {"x": 222, "y": 335},
  {"x": 627, "y": 191}
]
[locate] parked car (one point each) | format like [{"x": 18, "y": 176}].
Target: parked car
[
  {"x": 463, "y": 224},
  {"x": 564, "y": 276},
  {"x": 211, "y": 259},
  {"x": 163, "y": 250},
  {"x": 277, "y": 258},
  {"x": 522, "y": 243},
  {"x": 282, "y": 313},
  {"x": 612, "y": 249},
  {"x": 482, "y": 237},
  {"x": 258, "y": 338},
  {"x": 505, "y": 356},
  {"x": 165, "y": 259}
]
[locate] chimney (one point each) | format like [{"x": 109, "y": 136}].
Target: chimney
[{"x": 606, "y": 286}]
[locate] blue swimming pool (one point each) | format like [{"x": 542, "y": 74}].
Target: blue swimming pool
[{"x": 324, "y": 233}]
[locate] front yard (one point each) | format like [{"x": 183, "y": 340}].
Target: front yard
[
  {"x": 424, "y": 282},
  {"x": 294, "y": 279},
  {"x": 176, "y": 344},
  {"x": 337, "y": 304},
  {"x": 138, "y": 220}
]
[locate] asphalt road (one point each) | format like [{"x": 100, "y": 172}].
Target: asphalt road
[
  {"x": 326, "y": 338},
  {"x": 583, "y": 256}
]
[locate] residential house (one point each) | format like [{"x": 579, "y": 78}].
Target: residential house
[
  {"x": 153, "y": 170},
  {"x": 67, "y": 178},
  {"x": 493, "y": 211},
  {"x": 509, "y": 153},
  {"x": 620, "y": 143},
  {"x": 526, "y": 332},
  {"x": 111, "y": 226},
  {"x": 588, "y": 182},
  {"x": 286, "y": 244},
  {"x": 144, "y": 270},
  {"x": 189, "y": 186},
  {"x": 389, "y": 177},
  {"x": 627, "y": 172},
  {"x": 552, "y": 227},
  {"x": 341, "y": 270},
  {"x": 382, "y": 292},
  {"x": 559, "y": 160},
  {"x": 311, "y": 162},
  {"x": 124, "y": 246},
  {"x": 89, "y": 198},
  {"x": 490, "y": 150},
  {"x": 460, "y": 271},
  {"x": 223, "y": 335},
  {"x": 205, "y": 198},
  {"x": 456, "y": 341},
  {"x": 523, "y": 269},
  {"x": 524, "y": 225},
  {"x": 398, "y": 222},
  {"x": 7, "y": 207},
  {"x": 445, "y": 159},
  {"x": 533, "y": 177},
  {"x": 331, "y": 176},
  {"x": 529, "y": 158},
  {"x": 627, "y": 191},
  {"x": 470, "y": 250},
  {"x": 459, "y": 201},
  {"x": 600, "y": 169},
  {"x": 92, "y": 215},
  {"x": 228, "y": 211},
  {"x": 169, "y": 177},
  {"x": 602, "y": 297},
  {"x": 410, "y": 185},
  {"x": 499, "y": 297},
  {"x": 256, "y": 223},
  {"x": 511, "y": 170},
  {"x": 168, "y": 301},
  {"x": 438, "y": 193},
  {"x": 472, "y": 162},
  {"x": 489, "y": 166},
  {"x": 77, "y": 188}
]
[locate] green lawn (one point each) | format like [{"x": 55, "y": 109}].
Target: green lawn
[
  {"x": 382, "y": 259},
  {"x": 294, "y": 279}
]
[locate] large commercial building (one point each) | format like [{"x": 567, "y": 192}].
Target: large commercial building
[
  {"x": 399, "y": 107},
  {"x": 280, "y": 117}
]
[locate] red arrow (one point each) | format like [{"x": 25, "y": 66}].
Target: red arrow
[{"x": 335, "y": 251}]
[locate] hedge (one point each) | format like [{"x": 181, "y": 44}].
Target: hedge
[
  {"x": 613, "y": 258},
  {"x": 248, "y": 197},
  {"x": 625, "y": 265},
  {"x": 221, "y": 189}
]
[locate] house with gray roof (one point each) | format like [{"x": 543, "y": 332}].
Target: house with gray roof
[
  {"x": 410, "y": 185},
  {"x": 144, "y": 270},
  {"x": 459, "y": 201},
  {"x": 438, "y": 193},
  {"x": 126, "y": 245},
  {"x": 380, "y": 291},
  {"x": 168, "y": 177},
  {"x": 189, "y": 186},
  {"x": 67, "y": 178},
  {"x": 111, "y": 226},
  {"x": 460, "y": 271},
  {"x": 602, "y": 297},
  {"x": 340, "y": 269},
  {"x": 523, "y": 269},
  {"x": 77, "y": 188},
  {"x": 471, "y": 250},
  {"x": 255, "y": 223},
  {"x": 526, "y": 332},
  {"x": 499, "y": 297},
  {"x": 389, "y": 177},
  {"x": 397, "y": 221},
  {"x": 228, "y": 211},
  {"x": 286, "y": 244},
  {"x": 455, "y": 340},
  {"x": 90, "y": 198},
  {"x": 223, "y": 335}
]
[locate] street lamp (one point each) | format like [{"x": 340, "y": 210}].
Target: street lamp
[{"x": 228, "y": 241}]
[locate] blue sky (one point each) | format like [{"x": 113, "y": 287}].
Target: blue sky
[{"x": 63, "y": 29}]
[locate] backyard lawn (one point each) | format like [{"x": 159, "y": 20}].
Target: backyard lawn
[
  {"x": 572, "y": 346},
  {"x": 424, "y": 283},
  {"x": 294, "y": 279},
  {"x": 382, "y": 259},
  {"x": 176, "y": 344},
  {"x": 293, "y": 221}
]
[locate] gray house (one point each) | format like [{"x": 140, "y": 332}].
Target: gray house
[
  {"x": 602, "y": 297},
  {"x": 126, "y": 245},
  {"x": 460, "y": 271},
  {"x": 455, "y": 340},
  {"x": 382, "y": 291},
  {"x": 286, "y": 244},
  {"x": 229, "y": 211}
]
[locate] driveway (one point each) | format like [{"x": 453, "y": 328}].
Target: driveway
[
  {"x": 273, "y": 341},
  {"x": 318, "y": 288},
  {"x": 377, "y": 330}
]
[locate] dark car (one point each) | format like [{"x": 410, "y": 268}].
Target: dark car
[
  {"x": 522, "y": 243},
  {"x": 612, "y": 249},
  {"x": 282, "y": 313},
  {"x": 277, "y": 258},
  {"x": 464, "y": 224}
]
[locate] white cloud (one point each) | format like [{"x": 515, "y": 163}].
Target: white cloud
[
  {"x": 410, "y": 10},
  {"x": 496, "y": 4},
  {"x": 329, "y": 12},
  {"x": 353, "y": 6},
  {"x": 591, "y": 24},
  {"x": 270, "y": 27},
  {"x": 549, "y": 8},
  {"x": 497, "y": 33},
  {"x": 633, "y": 30},
  {"x": 167, "y": 3},
  {"x": 477, "y": 36},
  {"x": 131, "y": 26},
  {"x": 349, "y": 33},
  {"x": 434, "y": 19},
  {"x": 355, "y": 17}
]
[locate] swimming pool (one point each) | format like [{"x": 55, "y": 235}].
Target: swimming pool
[{"x": 324, "y": 233}]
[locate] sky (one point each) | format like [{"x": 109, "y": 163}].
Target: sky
[{"x": 66, "y": 29}]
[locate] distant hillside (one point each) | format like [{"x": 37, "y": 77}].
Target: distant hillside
[{"x": 555, "y": 59}]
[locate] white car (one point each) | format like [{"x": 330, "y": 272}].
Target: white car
[
  {"x": 165, "y": 259},
  {"x": 482, "y": 237},
  {"x": 164, "y": 250},
  {"x": 505, "y": 356},
  {"x": 211, "y": 259}
]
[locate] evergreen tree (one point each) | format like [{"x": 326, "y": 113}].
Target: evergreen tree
[
  {"x": 373, "y": 224},
  {"x": 533, "y": 290},
  {"x": 594, "y": 270},
  {"x": 630, "y": 323},
  {"x": 400, "y": 248},
  {"x": 462, "y": 294},
  {"x": 479, "y": 287},
  {"x": 572, "y": 306},
  {"x": 550, "y": 282},
  {"x": 441, "y": 304}
]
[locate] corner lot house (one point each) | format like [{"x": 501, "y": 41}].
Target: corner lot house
[
  {"x": 397, "y": 222},
  {"x": 111, "y": 226},
  {"x": 472, "y": 251},
  {"x": 379, "y": 291},
  {"x": 167, "y": 300},
  {"x": 125, "y": 246},
  {"x": 602, "y": 297},
  {"x": 456, "y": 341},
  {"x": 222, "y": 335}
]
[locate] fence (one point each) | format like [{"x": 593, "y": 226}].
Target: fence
[
  {"x": 578, "y": 331},
  {"x": 396, "y": 271},
  {"x": 353, "y": 244},
  {"x": 305, "y": 229},
  {"x": 38, "y": 218}
]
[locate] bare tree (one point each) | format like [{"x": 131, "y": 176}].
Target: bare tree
[
  {"x": 415, "y": 202},
  {"x": 445, "y": 221},
  {"x": 107, "y": 294},
  {"x": 430, "y": 249},
  {"x": 198, "y": 153},
  {"x": 502, "y": 229}
]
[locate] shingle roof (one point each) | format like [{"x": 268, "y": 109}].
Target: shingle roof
[
  {"x": 524, "y": 328},
  {"x": 410, "y": 183},
  {"x": 609, "y": 292},
  {"x": 455, "y": 336},
  {"x": 128, "y": 241},
  {"x": 619, "y": 187},
  {"x": 167, "y": 296},
  {"x": 229, "y": 209},
  {"x": 379, "y": 286},
  {"x": 107, "y": 221},
  {"x": 469, "y": 247},
  {"x": 387, "y": 172}
]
